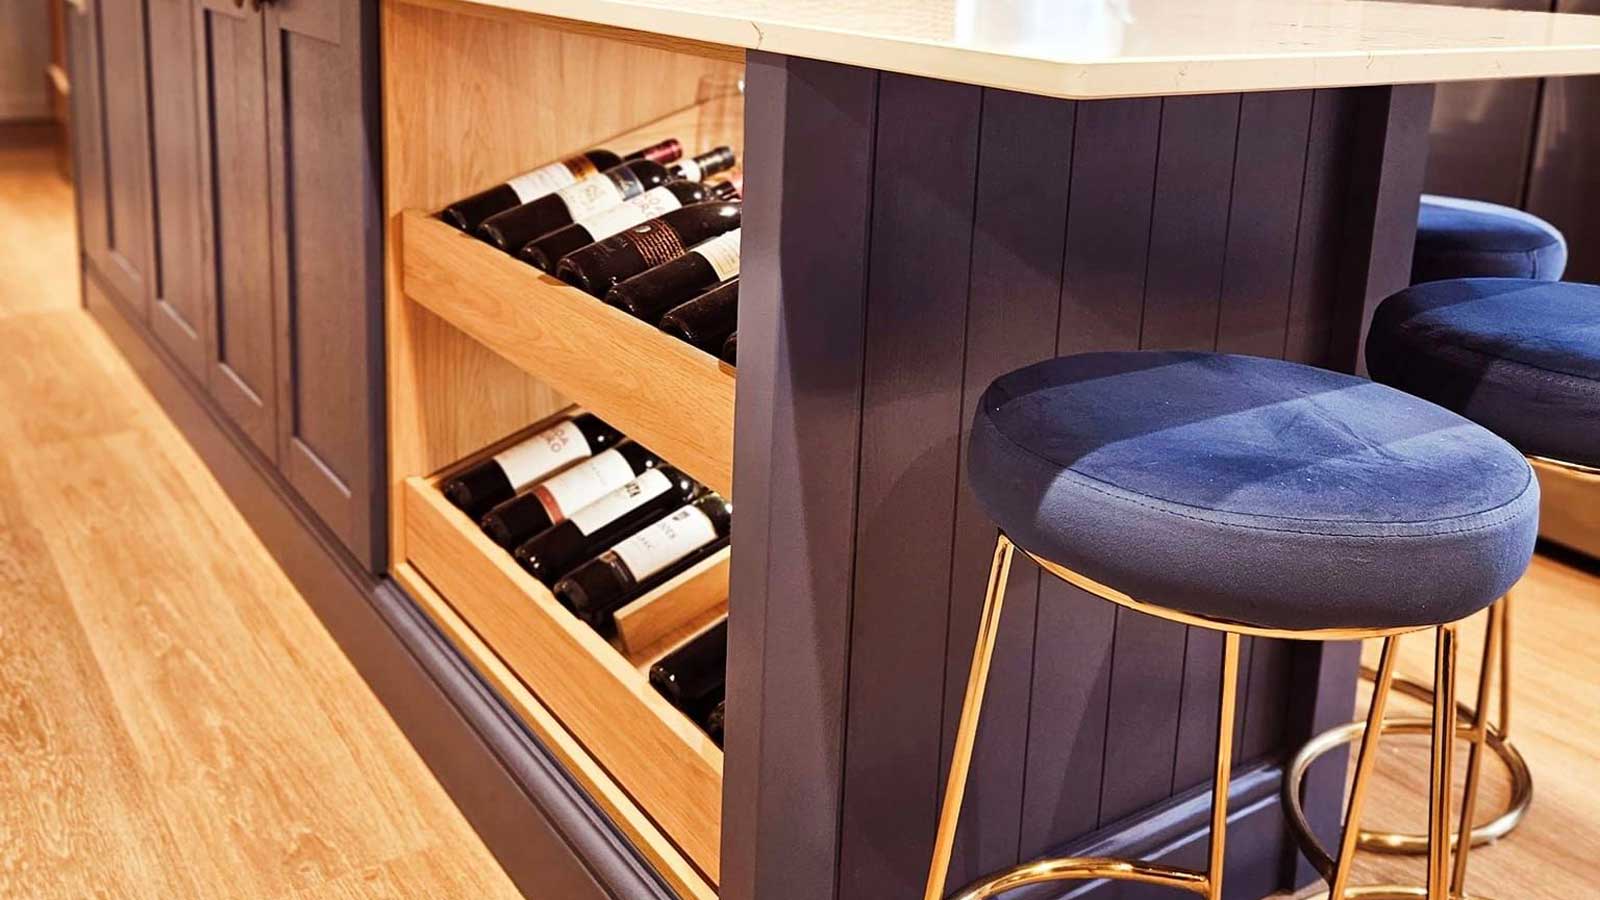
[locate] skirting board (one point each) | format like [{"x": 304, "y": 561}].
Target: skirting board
[{"x": 548, "y": 837}]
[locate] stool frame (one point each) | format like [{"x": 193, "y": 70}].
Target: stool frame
[
  {"x": 1476, "y": 729},
  {"x": 1208, "y": 883}
]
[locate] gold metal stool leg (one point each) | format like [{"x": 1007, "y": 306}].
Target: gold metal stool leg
[
  {"x": 967, "y": 732},
  {"x": 1206, "y": 884},
  {"x": 1443, "y": 882},
  {"x": 1474, "y": 728}
]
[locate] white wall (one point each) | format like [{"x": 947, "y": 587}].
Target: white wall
[{"x": 24, "y": 52}]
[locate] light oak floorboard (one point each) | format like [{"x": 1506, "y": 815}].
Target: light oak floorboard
[
  {"x": 1553, "y": 854},
  {"x": 174, "y": 720}
]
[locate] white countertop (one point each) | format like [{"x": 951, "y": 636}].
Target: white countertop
[{"x": 1119, "y": 48}]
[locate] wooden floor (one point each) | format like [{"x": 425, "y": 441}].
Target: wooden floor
[{"x": 174, "y": 721}]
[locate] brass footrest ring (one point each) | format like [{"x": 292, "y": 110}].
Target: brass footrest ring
[{"x": 1396, "y": 842}]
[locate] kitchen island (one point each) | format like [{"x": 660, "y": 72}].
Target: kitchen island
[{"x": 938, "y": 192}]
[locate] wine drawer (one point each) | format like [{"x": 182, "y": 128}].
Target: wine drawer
[
  {"x": 597, "y": 689},
  {"x": 671, "y": 397}
]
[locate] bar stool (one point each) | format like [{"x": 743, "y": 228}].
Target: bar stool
[
  {"x": 1252, "y": 497},
  {"x": 1459, "y": 238},
  {"x": 1521, "y": 358}
]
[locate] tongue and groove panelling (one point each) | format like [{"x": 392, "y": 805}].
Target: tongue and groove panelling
[{"x": 1001, "y": 229}]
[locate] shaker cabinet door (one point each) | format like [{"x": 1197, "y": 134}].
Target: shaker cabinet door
[
  {"x": 179, "y": 311},
  {"x": 236, "y": 224},
  {"x": 109, "y": 49},
  {"x": 326, "y": 278}
]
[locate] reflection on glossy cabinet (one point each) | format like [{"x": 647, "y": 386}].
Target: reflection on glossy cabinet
[
  {"x": 1531, "y": 143},
  {"x": 1565, "y": 176}
]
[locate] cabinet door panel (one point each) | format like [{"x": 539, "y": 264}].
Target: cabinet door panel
[
  {"x": 118, "y": 235},
  {"x": 179, "y": 315},
  {"x": 326, "y": 273},
  {"x": 238, "y": 233},
  {"x": 88, "y": 144}
]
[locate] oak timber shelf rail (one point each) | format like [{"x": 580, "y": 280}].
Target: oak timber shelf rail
[{"x": 597, "y": 689}]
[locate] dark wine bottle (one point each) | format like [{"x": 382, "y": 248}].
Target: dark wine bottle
[
  {"x": 599, "y": 587},
  {"x": 599, "y": 267},
  {"x": 649, "y": 295},
  {"x": 496, "y": 479},
  {"x": 730, "y": 350},
  {"x": 559, "y": 496},
  {"x": 717, "y": 722},
  {"x": 707, "y": 320},
  {"x": 558, "y": 549},
  {"x": 468, "y": 214},
  {"x": 693, "y": 676},
  {"x": 515, "y": 227},
  {"x": 544, "y": 252}
]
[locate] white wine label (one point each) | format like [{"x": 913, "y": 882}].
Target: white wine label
[
  {"x": 640, "y": 209},
  {"x": 583, "y": 484},
  {"x": 590, "y": 196},
  {"x": 621, "y": 501},
  {"x": 543, "y": 453},
  {"x": 722, "y": 252},
  {"x": 690, "y": 170},
  {"x": 544, "y": 180},
  {"x": 666, "y": 542}
]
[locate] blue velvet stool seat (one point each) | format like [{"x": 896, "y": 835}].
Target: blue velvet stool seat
[
  {"x": 1520, "y": 357},
  {"x": 1254, "y": 490},
  {"x": 1248, "y": 496},
  {"x": 1459, "y": 238}
]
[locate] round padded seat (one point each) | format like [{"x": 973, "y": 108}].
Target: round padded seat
[
  {"x": 1458, "y": 238},
  {"x": 1254, "y": 491},
  {"x": 1521, "y": 358}
]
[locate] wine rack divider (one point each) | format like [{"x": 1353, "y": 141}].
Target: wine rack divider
[{"x": 600, "y": 694}]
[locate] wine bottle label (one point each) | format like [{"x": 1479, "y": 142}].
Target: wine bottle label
[
  {"x": 722, "y": 252},
  {"x": 690, "y": 170},
  {"x": 590, "y": 196},
  {"x": 657, "y": 242},
  {"x": 666, "y": 542},
  {"x": 621, "y": 501},
  {"x": 549, "y": 179},
  {"x": 582, "y": 484},
  {"x": 543, "y": 453},
  {"x": 640, "y": 209}
]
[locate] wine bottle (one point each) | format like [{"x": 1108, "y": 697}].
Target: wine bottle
[
  {"x": 730, "y": 350},
  {"x": 496, "y": 479},
  {"x": 649, "y": 295},
  {"x": 599, "y": 267},
  {"x": 693, "y": 676},
  {"x": 646, "y": 499},
  {"x": 717, "y": 722},
  {"x": 599, "y": 587},
  {"x": 552, "y": 500},
  {"x": 515, "y": 227},
  {"x": 468, "y": 214},
  {"x": 707, "y": 320},
  {"x": 543, "y": 252}
]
